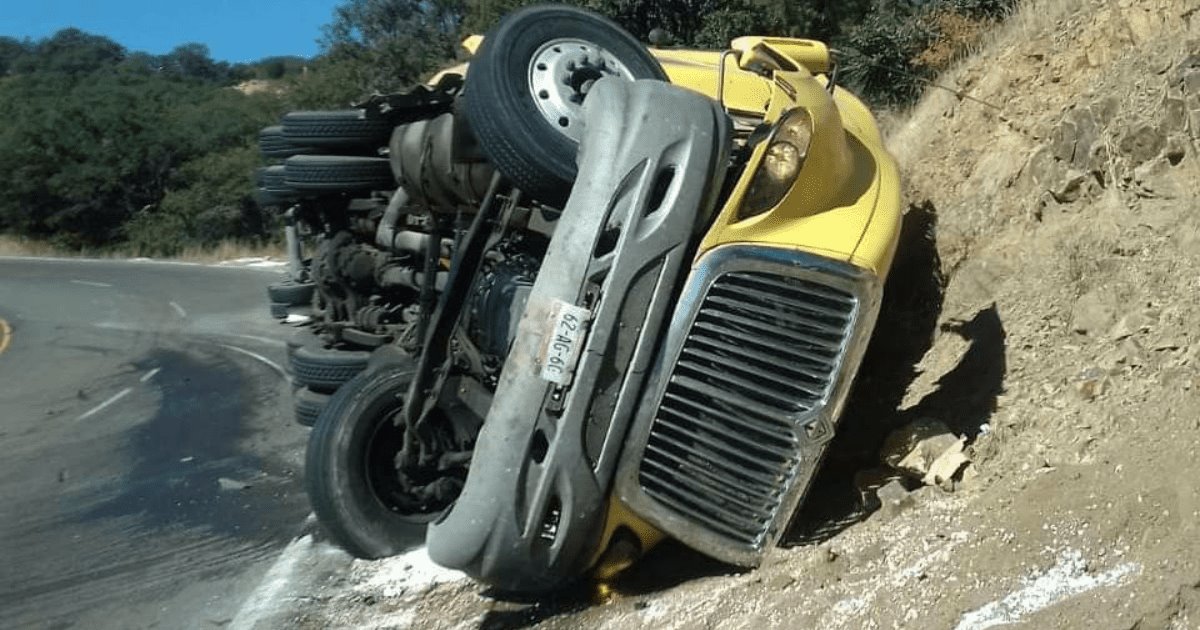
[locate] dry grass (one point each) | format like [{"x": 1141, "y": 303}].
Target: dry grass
[
  {"x": 909, "y": 128},
  {"x": 18, "y": 246},
  {"x": 1039, "y": 16},
  {"x": 958, "y": 36},
  {"x": 228, "y": 250},
  {"x": 232, "y": 250}
]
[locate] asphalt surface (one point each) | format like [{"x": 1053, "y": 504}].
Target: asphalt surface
[{"x": 150, "y": 470}]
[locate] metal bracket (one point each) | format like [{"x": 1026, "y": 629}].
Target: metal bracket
[{"x": 417, "y": 103}]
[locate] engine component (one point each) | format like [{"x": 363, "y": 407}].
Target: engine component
[
  {"x": 388, "y": 234},
  {"x": 498, "y": 300},
  {"x": 403, "y": 275},
  {"x": 425, "y": 164},
  {"x": 376, "y": 316}
]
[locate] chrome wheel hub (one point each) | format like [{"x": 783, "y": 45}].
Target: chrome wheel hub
[{"x": 561, "y": 73}]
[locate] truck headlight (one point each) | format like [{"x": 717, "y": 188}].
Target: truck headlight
[{"x": 786, "y": 149}]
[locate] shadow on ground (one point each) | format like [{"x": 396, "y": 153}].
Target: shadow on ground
[
  {"x": 666, "y": 566},
  {"x": 964, "y": 399}
]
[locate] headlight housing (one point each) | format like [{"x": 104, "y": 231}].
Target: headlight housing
[{"x": 787, "y": 147}]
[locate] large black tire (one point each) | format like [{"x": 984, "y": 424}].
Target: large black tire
[
  {"x": 271, "y": 177},
  {"x": 308, "y": 405},
  {"x": 326, "y": 369},
  {"x": 293, "y": 293},
  {"x": 500, "y": 102},
  {"x": 350, "y": 463},
  {"x": 272, "y": 144},
  {"x": 272, "y": 191},
  {"x": 346, "y": 129},
  {"x": 338, "y": 173},
  {"x": 274, "y": 199}
]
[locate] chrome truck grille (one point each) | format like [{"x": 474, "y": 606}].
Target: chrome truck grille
[{"x": 745, "y": 397}]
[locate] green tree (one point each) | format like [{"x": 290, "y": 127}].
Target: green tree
[
  {"x": 11, "y": 51},
  {"x": 79, "y": 156},
  {"x": 71, "y": 51},
  {"x": 192, "y": 61},
  {"x": 387, "y": 45},
  {"x": 207, "y": 200}
]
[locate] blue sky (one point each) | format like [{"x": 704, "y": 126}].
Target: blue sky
[{"x": 234, "y": 30}]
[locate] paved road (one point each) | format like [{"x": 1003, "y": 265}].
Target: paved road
[{"x": 150, "y": 470}]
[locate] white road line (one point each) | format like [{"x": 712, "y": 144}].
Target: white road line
[
  {"x": 254, "y": 355},
  {"x": 264, "y": 340},
  {"x": 179, "y": 309},
  {"x": 149, "y": 375},
  {"x": 89, "y": 283},
  {"x": 98, "y": 408},
  {"x": 62, "y": 259}
]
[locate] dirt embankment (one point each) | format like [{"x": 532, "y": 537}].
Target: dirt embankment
[{"x": 1049, "y": 314}]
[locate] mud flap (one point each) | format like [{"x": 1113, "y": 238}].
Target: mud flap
[{"x": 530, "y": 515}]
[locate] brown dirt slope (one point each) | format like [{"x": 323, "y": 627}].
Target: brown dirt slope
[{"x": 1067, "y": 349}]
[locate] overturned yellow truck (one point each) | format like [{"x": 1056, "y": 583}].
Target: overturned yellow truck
[{"x": 629, "y": 289}]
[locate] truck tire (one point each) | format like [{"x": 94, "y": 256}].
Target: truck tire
[
  {"x": 346, "y": 129},
  {"x": 271, "y": 177},
  {"x": 324, "y": 369},
  {"x": 291, "y": 293},
  {"x": 308, "y": 405},
  {"x": 267, "y": 198},
  {"x": 272, "y": 144},
  {"x": 526, "y": 85},
  {"x": 350, "y": 469},
  {"x": 338, "y": 173}
]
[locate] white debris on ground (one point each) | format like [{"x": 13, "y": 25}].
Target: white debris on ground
[
  {"x": 295, "y": 574},
  {"x": 253, "y": 261},
  {"x": 389, "y": 593},
  {"x": 410, "y": 573},
  {"x": 1068, "y": 578}
]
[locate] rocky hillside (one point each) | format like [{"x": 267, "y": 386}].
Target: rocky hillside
[{"x": 1043, "y": 316}]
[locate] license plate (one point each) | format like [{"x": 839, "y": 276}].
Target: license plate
[{"x": 565, "y": 341}]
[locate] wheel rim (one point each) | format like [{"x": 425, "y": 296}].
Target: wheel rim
[
  {"x": 384, "y": 478},
  {"x": 561, "y": 72}
]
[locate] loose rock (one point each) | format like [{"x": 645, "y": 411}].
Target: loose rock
[
  {"x": 1094, "y": 312},
  {"x": 926, "y": 450},
  {"x": 1091, "y": 383},
  {"x": 226, "y": 483},
  {"x": 894, "y": 498}
]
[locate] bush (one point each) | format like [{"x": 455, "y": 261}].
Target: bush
[
  {"x": 992, "y": 9},
  {"x": 878, "y": 56},
  {"x": 210, "y": 200},
  {"x": 957, "y": 34}
]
